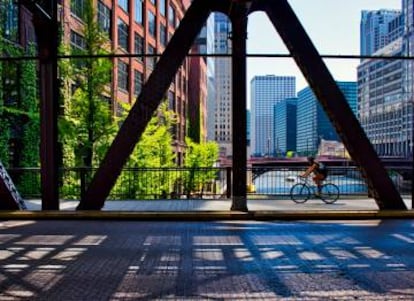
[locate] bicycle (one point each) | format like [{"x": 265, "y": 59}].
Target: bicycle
[{"x": 301, "y": 192}]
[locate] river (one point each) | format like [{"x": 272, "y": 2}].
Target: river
[{"x": 281, "y": 181}]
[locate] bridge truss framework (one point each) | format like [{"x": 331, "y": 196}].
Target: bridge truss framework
[{"x": 301, "y": 49}]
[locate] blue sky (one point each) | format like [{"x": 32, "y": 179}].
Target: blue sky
[{"x": 333, "y": 27}]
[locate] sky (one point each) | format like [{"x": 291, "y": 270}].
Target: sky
[{"x": 333, "y": 27}]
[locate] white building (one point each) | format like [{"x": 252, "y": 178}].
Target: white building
[{"x": 220, "y": 103}]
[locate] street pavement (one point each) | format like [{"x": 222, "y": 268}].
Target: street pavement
[{"x": 207, "y": 260}]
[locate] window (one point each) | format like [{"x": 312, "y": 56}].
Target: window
[
  {"x": 77, "y": 41},
  {"x": 163, "y": 35},
  {"x": 152, "y": 24},
  {"x": 139, "y": 46},
  {"x": 138, "y": 80},
  {"x": 9, "y": 23},
  {"x": 171, "y": 16},
  {"x": 162, "y": 7},
  {"x": 77, "y": 44},
  {"x": 151, "y": 59},
  {"x": 124, "y": 4},
  {"x": 104, "y": 18},
  {"x": 77, "y": 7},
  {"x": 123, "y": 34},
  {"x": 171, "y": 100},
  {"x": 154, "y": 2},
  {"x": 139, "y": 8},
  {"x": 123, "y": 77}
]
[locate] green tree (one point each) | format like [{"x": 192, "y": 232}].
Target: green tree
[
  {"x": 4, "y": 124},
  {"x": 153, "y": 156},
  {"x": 199, "y": 158},
  {"x": 87, "y": 126}
]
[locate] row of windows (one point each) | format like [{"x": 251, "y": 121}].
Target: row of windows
[
  {"x": 104, "y": 19},
  {"x": 124, "y": 4}
]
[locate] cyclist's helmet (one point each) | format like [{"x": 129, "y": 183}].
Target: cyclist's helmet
[{"x": 311, "y": 159}]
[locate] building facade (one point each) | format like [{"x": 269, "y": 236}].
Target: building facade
[
  {"x": 221, "y": 99},
  {"x": 408, "y": 73},
  {"x": 385, "y": 92},
  {"x": 143, "y": 28},
  {"x": 266, "y": 92},
  {"x": 285, "y": 126},
  {"x": 313, "y": 124},
  {"x": 378, "y": 28}
]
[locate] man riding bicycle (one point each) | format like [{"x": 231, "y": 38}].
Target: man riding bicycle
[{"x": 319, "y": 173}]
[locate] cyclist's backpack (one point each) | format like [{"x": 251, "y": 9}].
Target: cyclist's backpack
[{"x": 322, "y": 168}]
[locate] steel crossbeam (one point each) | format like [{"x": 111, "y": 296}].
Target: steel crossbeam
[
  {"x": 306, "y": 57},
  {"x": 308, "y": 60}
]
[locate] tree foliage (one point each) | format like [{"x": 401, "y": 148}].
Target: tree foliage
[
  {"x": 153, "y": 156},
  {"x": 87, "y": 126},
  {"x": 199, "y": 158}
]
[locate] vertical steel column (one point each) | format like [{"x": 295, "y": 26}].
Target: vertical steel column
[
  {"x": 47, "y": 39},
  {"x": 238, "y": 17},
  {"x": 142, "y": 111},
  {"x": 334, "y": 103}
]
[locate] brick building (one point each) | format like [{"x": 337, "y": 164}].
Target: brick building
[{"x": 141, "y": 27}]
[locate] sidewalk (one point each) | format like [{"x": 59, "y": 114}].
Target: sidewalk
[
  {"x": 222, "y": 205},
  {"x": 197, "y": 209}
]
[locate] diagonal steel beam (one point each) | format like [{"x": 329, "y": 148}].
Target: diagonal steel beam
[
  {"x": 333, "y": 101},
  {"x": 146, "y": 104},
  {"x": 10, "y": 198}
]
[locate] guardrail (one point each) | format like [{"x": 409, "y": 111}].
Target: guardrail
[{"x": 208, "y": 183}]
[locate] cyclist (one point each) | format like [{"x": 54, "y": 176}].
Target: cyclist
[{"x": 319, "y": 173}]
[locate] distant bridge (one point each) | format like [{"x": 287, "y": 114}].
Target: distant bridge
[{"x": 329, "y": 161}]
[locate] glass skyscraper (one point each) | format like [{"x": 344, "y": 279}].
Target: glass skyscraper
[
  {"x": 375, "y": 29},
  {"x": 266, "y": 92},
  {"x": 285, "y": 125},
  {"x": 313, "y": 123}
]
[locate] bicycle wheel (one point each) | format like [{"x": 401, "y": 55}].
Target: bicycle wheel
[
  {"x": 329, "y": 193},
  {"x": 299, "y": 193}
]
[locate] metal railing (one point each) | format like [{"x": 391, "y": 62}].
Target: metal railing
[
  {"x": 193, "y": 183},
  {"x": 277, "y": 181}
]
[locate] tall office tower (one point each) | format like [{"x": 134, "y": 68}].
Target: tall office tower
[
  {"x": 211, "y": 81},
  {"x": 375, "y": 29},
  {"x": 285, "y": 125},
  {"x": 223, "y": 85},
  {"x": 135, "y": 27},
  {"x": 266, "y": 92},
  {"x": 384, "y": 98},
  {"x": 312, "y": 122},
  {"x": 408, "y": 74}
]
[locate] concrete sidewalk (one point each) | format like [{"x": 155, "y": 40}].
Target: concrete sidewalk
[
  {"x": 196, "y": 210},
  {"x": 351, "y": 204}
]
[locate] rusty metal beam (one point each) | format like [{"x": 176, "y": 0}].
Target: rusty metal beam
[
  {"x": 142, "y": 111},
  {"x": 333, "y": 101},
  {"x": 238, "y": 16},
  {"x": 47, "y": 38},
  {"x": 46, "y": 27}
]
